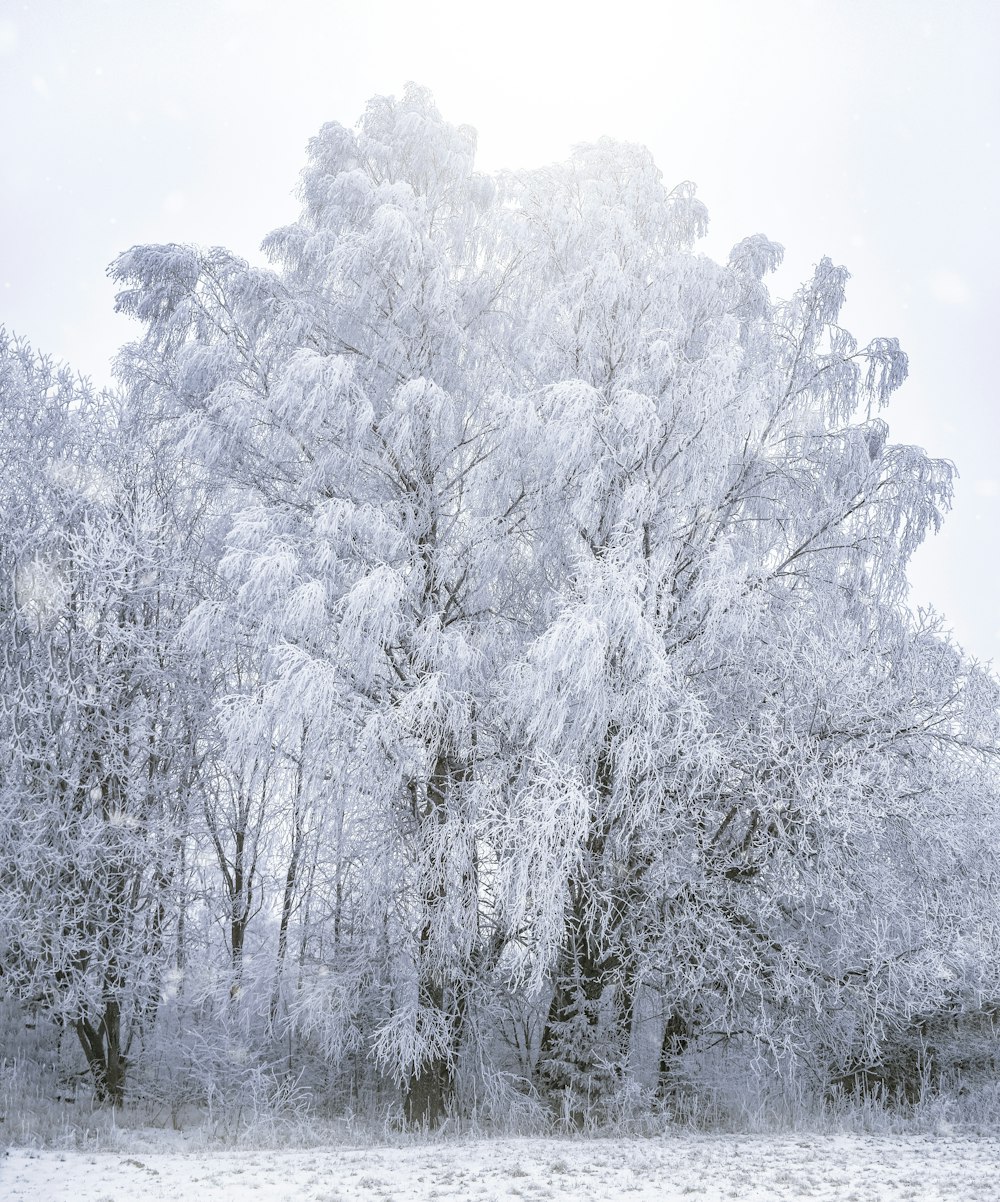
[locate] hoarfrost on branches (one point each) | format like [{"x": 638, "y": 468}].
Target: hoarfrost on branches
[{"x": 552, "y": 710}]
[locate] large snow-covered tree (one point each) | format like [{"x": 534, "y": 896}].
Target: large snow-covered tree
[
  {"x": 350, "y": 397},
  {"x": 560, "y": 624}
]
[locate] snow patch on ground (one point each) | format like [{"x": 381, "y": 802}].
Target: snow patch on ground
[{"x": 671, "y": 1168}]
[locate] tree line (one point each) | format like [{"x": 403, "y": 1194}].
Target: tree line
[{"x": 468, "y": 661}]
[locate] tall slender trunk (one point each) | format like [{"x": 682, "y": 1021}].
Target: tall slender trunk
[
  {"x": 429, "y": 1089},
  {"x": 291, "y": 880},
  {"x": 239, "y": 909},
  {"x": 585, "y": 1041},
  {"x": 103, "y": 1045}
]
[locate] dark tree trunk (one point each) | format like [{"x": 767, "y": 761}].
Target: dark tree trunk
[
  {"x": 429, "y": 1091},
  {"x": 585, "y": 1038},
  {"x": 427, "y": 1094},
  {"x": 102, "y": 1048},
  {"x": 676, "y": 1038}
]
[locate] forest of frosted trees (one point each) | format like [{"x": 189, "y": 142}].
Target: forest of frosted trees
[{"x": 465, "y": 669}]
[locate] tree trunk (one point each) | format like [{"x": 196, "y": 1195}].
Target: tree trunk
[
  {"x": 429, "y": 1090},
  {"x": 585, "y": 1041},
  {"x": 676, "y": 1037},
  {"x": 570, "y": 1054},
  {"x": 428, "y": 1094},
  {"x": 288, "y": 894},
  {"x": 102, "y": 1048}
]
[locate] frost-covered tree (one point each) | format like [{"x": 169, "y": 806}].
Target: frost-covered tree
[
  {"x": 559, "y": 628},
  {"x": 92, "y": 709},
  {"x": 728, "y": 533},
  {"x": 350, "y": 395}
]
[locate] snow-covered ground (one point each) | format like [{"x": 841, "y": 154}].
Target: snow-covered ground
[{"x": 845, "y": 1168}]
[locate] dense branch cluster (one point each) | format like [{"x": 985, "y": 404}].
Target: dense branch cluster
[{"x": 466, "y": 665}]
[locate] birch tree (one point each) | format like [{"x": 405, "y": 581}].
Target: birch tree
[
  {"x": 349, "y": 394},
  {"x": 711, "y": 505}
]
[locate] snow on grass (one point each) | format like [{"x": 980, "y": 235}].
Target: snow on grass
[{"x": 670, "y": 1168}]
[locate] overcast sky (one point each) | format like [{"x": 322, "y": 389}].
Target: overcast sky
[{"x": 861, "y": 129}]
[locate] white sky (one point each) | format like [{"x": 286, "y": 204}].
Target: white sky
[{"x": 861, "y": 129}]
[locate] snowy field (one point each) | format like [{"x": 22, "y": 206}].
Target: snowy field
[{"x": 846, "y": 1168}]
